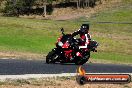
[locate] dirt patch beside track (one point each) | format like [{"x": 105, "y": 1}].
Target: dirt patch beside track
[
  {"x": 21, "y": 55},
  {"x": 65, "y": 84}
]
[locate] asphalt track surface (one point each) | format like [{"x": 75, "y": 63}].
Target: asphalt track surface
[{"x": 19, "y": 67}]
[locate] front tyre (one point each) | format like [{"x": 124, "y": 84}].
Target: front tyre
[{"x": 51, "y": 57}]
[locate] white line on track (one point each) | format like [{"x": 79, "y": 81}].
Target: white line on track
[{"x": 28, "y": 76}]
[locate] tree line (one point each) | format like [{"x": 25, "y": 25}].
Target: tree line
[{"x": 41, "y": 7}]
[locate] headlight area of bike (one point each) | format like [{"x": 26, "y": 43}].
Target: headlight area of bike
[
  {"x": 60, "y": 44},
  {"x": 65, "y": 45}
]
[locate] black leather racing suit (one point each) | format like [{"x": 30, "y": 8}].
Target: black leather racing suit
[{"x": 85, "y": 38}]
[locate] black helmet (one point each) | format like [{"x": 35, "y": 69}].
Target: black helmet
[{"x": 84, "y": 28}]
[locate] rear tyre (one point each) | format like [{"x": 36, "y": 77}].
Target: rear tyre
[
  {"x": 81, "y": 61},
  {"x": 51, "y": 57}
]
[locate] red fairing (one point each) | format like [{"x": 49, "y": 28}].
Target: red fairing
[
  {"x": 59, "y": 39},
  {"x": 65, "y": 45},
  {"x": 68, "y": 53},
  {"x": 79, "y": 54}
]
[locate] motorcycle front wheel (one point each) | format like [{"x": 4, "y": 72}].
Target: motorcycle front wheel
[{"x": 51, "y": 57}]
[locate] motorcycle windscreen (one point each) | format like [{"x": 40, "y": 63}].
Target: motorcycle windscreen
[{"x": 65, "y": 38}]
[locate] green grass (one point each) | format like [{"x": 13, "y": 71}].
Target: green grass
[
  {"x": 19, "y": 39},
  {"x": 39, "y": 36},
  {"x": 115, "y": 39},
  {"x": 28, "y": 35},
  {"x": 112, "y": 57},
  {"x": 121, "y": 14}
]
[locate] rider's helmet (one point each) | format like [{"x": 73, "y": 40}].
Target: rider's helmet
[{"x": 84, "y": 28}]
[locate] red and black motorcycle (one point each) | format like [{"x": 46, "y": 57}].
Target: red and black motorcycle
[{"x": 66, "y": 48}]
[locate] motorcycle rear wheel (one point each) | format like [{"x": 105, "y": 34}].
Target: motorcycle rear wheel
[{"x": 81, "y": 61}]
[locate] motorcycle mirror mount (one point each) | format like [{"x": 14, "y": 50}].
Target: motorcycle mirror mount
[{"x": 62, "y": 30}]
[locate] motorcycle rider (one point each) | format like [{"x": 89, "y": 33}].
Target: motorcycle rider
[{"x": 84, "y": 39}]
